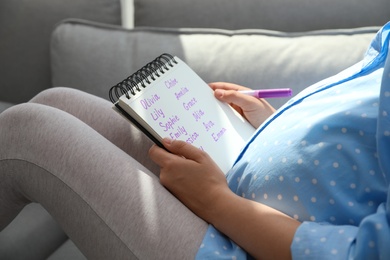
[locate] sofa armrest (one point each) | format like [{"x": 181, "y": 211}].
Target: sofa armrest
[{"x": 25, "y": 28}]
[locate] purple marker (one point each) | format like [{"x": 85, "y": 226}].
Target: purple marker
[{"x": 268, "y": 93}]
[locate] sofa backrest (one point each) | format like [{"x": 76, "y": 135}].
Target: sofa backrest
[
  {"x": 282, "y": 15},
  {"x": 93, "y": 57}
]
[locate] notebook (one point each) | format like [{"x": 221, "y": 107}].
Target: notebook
[{"x": 166, "y": 98}]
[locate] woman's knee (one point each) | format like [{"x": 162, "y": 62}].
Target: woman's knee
[
  {"x": 16, "y": 143},
  {"x": 27, "y": 128},
  {"x": 15, "y": 118},
  {"x": 54, "y": 95},
  {"x": 23, "y": 115}
]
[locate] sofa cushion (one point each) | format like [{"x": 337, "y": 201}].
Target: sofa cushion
[
  {"x": 4, "y": 105},
  {"x": 25, "y": 28},
  {"x": 93, "y": 57},
  {"x": 33, "y": 234},
  {"x": 67, "y": 251},
  {"x": 297, "y": 15}
]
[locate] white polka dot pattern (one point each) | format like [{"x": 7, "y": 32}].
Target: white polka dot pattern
[{"x": 323, "y": 159}]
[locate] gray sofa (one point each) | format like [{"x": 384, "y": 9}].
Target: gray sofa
[{"x": 257, "y": 43}]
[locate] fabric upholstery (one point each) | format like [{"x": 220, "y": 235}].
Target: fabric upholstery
[
  {"x": 30, "y": 237},
  {"x": 297, "y": 15},
  {"x": 92, "y": 57},
  {"x": 25, "y": 28},
  {"x": 67, "y": 251},
  {"x": 4, "y": 106}
]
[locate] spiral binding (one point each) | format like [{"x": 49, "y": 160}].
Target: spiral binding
[{"x": 142, "y": 77}]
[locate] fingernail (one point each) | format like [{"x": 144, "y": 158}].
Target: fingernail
[{"x": 219, "y": 92}]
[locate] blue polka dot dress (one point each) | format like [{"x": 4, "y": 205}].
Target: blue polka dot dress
[{"x": 324, "y": 159}]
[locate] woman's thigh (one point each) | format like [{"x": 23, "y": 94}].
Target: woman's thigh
[
  {"x": 98, "y": 114},
  {"x": 110, "y": 205}
]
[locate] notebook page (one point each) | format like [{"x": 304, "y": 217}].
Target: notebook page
[{"x": 180, "y": 105}]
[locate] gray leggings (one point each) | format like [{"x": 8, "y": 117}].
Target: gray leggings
[{"x": 89, "y": 168}]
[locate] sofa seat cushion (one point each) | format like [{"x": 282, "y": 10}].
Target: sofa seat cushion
[
  {"x": 66, "y": 251},
  {"x": 5, "y": 105},
  {"x": 33, "y": 234},
  {"x": 93, "y": 57}
]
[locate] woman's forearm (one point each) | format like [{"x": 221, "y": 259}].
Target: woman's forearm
[
  {"x": 192, "y": 176},
  {"x": 263, "y": 232}
]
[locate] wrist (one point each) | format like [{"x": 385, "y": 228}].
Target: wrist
[{"x": 222, "y": 207}]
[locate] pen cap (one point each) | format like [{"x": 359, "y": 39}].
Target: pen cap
[{"x": 275, "y": 93}]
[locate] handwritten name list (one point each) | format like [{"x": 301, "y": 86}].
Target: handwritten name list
[
  {"x": 179, "y": 124},
  {"x": 180, "y": 105}
]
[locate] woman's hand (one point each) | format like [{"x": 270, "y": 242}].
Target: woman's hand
[
  {"x": 192, "y": 176},
  {"x": 256, "y": 111}
]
